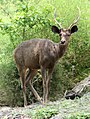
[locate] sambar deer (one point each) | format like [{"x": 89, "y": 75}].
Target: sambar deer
[{"x": 42, "y": 54}]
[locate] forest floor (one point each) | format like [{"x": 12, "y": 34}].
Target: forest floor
[{"x": 61, "y": 109}]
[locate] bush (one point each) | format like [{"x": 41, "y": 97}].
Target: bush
[
  {"x": 33, "y": 19},
  {"x": 79, "y": 116}
]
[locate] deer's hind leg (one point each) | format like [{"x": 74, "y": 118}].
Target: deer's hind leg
[
  {"x": 29, "y": 79},
  {"x": 22, "y": 72}
]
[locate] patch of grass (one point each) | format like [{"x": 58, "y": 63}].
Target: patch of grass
[
  {"x": 44, "y": 113},
  {"x": 79, "y": 116}
]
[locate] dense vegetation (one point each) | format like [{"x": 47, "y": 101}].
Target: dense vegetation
[{"x": 23, "y": 19}]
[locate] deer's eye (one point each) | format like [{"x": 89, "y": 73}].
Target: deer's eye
[{"x": 60, "y": 34}]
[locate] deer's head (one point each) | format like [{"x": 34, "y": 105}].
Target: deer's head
[{"x": 65, "y": 33}]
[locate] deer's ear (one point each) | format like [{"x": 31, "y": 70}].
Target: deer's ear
[
  {"x": 55, "y": 29},
  {"x": 74, "y": 29}
]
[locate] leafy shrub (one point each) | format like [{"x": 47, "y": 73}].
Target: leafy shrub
[
  {"x": 79, "y": 116},
  {"x": 44, "y": 113},
  {"x": 33, "y": 19},
  {"x": 10, "y": 89}
]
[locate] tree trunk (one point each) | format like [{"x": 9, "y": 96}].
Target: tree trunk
[{"x": 79, "y": 90}]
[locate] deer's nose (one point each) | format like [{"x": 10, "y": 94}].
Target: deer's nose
[{"x": 62, "y": 41}]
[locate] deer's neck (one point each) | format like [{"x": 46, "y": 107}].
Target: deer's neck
[{"x": 61, "y": 50}]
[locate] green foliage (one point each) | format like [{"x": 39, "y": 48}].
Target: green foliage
[
  {"x": 79, "y": 116},
  {"x": 10, "y": 90},
  {"x": 28, "y": 21},
  {"x": 44, "y": 113},
  {"x": 21, "y": 20}
]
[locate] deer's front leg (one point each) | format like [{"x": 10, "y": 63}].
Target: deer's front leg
[
  {"x": 48, "y": 83},
  {"x": 44, "y": 78}
]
